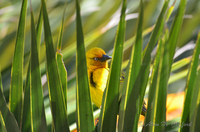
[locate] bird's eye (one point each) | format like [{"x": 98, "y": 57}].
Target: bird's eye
[{"x": 96, "y": 59}]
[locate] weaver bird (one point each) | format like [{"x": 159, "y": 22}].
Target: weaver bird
[{"x": 98, "y": 71}]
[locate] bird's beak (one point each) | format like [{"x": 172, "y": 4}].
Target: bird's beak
[{"x": 104, "y": 58}]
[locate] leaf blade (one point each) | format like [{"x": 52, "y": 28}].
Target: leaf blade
[
  {"x": 196, "y": 119},
  {"x": 111, "y": 101},
  {"x": 7, "y": 116},
  {"x": 58, "y": 108},
  {"x": 38, "y": 119},
  {"x": 153, "y": 88},
  {"x": 83, "y": 103},
  {"x": 131, "y": 73},
  {"x": 160, "y": 115},
  {"x": 17, "y": 67},
  {"x": 137, "y": 94},
  {"x": 26, "y": 115},
  {"x": 190, "y": 86},
  {"x": 59, "y": 57}
]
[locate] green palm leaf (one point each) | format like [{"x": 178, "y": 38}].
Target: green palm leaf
[
  {"x": 85, "y": 121},
  {"x": 16, "y": 88},
  {"x": 38, "y": 119},
  {"x": 130, "y": 77},
  {"x": 7, "y": 118},
  {"x": 190, "y": 87},
  {"x": 58, "y": 109},
  {"x": 110, "y": 105}
]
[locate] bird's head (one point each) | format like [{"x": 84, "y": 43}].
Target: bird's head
[{"x": 97, "y": 58}]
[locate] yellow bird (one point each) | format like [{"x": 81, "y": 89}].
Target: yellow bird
[{"x": 98, "y": 71}]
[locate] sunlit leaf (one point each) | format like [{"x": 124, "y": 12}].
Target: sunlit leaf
[
  {"x": 161, "y": 93},
  {"x": 63, "y": 75},
  {"x": 175, "y": 30},
  {"x": 130, "y": 77},
  {"x": 58, "y": 109},
  {"x": 16, "y": 88},
  {"x": 59, "y": 57},
  {"x": 190, "y": 86},
  {"x": 140, "y": 83},
  {"x": 153, "y": 88},
  {"x": 38, "y": 119},
  {"x": 26, "y": 115},
  {"x": 110, "y": 105},
  {"x": 7, "y": 117},
  {"x": 2, "y": 124},
  {"x": 196, "y": 121},
  {"x": 1, "y": 80},
  {"x": 85, "y": 120}
]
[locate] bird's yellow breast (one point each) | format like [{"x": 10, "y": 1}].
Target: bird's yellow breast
[{"x": 98, "y": 80}]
